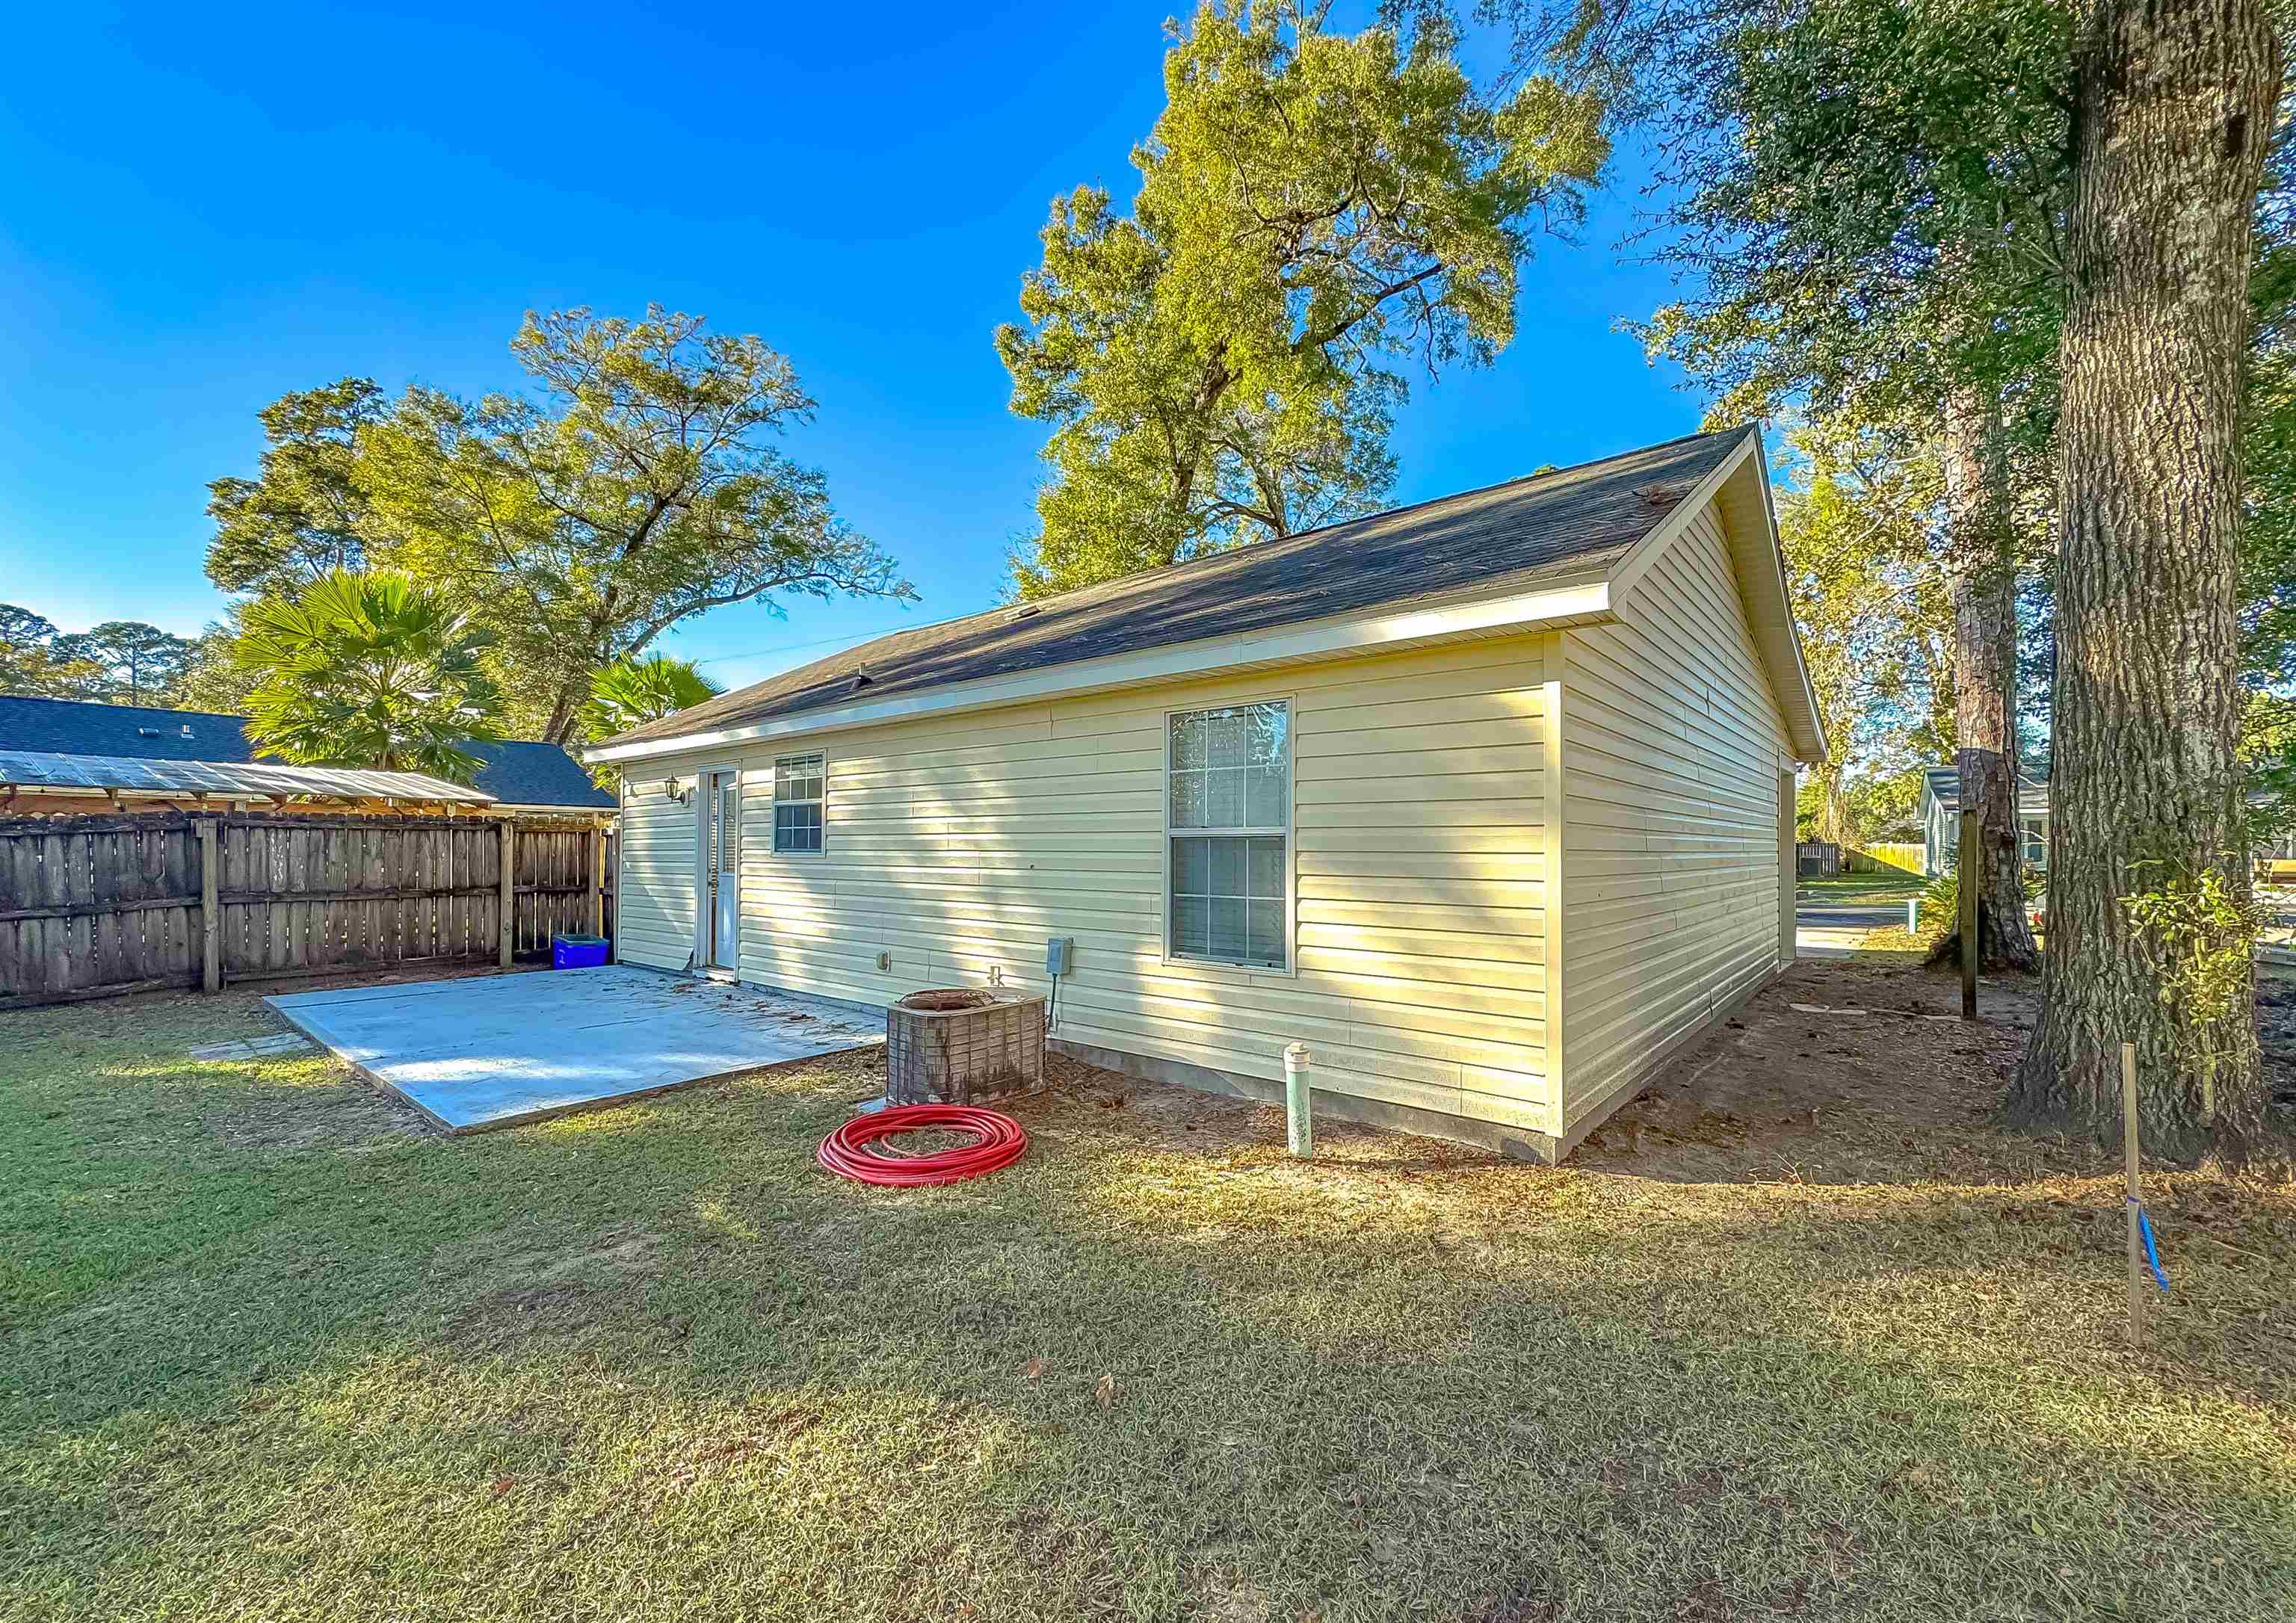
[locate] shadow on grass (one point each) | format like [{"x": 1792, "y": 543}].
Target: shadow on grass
[{"x": 652, "y": 1360}]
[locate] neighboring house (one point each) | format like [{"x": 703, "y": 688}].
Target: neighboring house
[
  {"x": 59, "y": 747},
  {"x": 1941, "y": 812},
  {"x": 1488, "y": 800},
  {"x": 1940, "y": 815}
]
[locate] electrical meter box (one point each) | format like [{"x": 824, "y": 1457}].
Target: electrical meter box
[{"x": 1056, "y": 955}]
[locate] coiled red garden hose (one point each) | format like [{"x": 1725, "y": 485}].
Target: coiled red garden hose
[{"x": 847, "y": 1152}]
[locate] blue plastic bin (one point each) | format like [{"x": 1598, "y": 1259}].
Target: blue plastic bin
[{"x": 577, "y": 951}]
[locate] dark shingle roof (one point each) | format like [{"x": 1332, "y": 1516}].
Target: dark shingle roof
[
  {"x": 1548, "y": 528},
  {"x": 66, "y": 726},
  {"x": 518, "y": 774},
  {"x": 522, "y": 773},
  {"x": 1945, "y": 787}
]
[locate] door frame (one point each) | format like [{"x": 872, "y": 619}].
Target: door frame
[{"x": 705, "y": 916}]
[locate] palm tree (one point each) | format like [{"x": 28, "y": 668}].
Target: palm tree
[
  {"x": 367, "y": 669},
  {"x": 632, "y": 691}
]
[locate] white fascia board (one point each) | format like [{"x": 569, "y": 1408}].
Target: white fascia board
[
  {"x": 1815, "y": 748},
  {"x": 1796, "y": 688},
  {"x": 1281, "y": 645}
]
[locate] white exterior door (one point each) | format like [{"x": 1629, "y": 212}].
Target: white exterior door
[{"x": 721, "y": 870}]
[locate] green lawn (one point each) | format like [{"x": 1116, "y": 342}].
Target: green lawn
[{"x": 268, "y": 1352}]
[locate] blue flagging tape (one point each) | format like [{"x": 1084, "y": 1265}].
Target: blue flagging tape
[{"x": 2151, "y": 1252}]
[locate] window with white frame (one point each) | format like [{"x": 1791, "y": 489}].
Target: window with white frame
[
  {"x": 798, "y": 804},
  {"x": 1229, "y": 823}
]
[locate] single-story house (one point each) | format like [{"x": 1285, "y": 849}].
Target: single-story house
[
  {"x": 1487, "y": 801},
  {"x": 63, "y": 755},
  {"x": 1940, "y": 815},
  {"x": 1941, "y": 812}
]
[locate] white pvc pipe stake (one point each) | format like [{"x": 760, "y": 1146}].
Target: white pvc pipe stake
[{"x": 1299, "y": 1124}]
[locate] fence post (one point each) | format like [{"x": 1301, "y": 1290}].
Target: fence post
[
  {"x": 597, "y": 879},
  {"x": 2136, "y": 1196},
  {"x": 509, "y": 887},
  {"x": 210, "y": 910},
  {"x": 1972, "y": 862}
]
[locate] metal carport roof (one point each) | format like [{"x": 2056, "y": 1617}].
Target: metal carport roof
[{"x": 24, "y": 769}]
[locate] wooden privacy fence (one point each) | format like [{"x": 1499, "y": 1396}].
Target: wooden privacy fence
[
  {"x": 1887, "y": 857},
  {"x": 1818, "y": 859},
  {"x": 93, "y": 906}
]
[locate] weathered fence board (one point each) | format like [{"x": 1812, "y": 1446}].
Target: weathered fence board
[{"x": 96, "y": 906}]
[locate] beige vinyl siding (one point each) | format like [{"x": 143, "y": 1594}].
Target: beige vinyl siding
[
  {"x": 654, "y": 901},
  {"x": 958, "y": 845},
  {"x": 1425, "y": 784},
  {"x": 1671, "y": 747}
]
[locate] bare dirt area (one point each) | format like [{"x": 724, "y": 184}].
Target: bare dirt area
[
  {"x": 1842, "y": 1071},
  {"x": 1849, "y": 1071},
  {"x": 1862, "y": 1071}
]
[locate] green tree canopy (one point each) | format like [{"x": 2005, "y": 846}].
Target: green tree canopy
[
  {"x": 1869, "y": 197},
  {"x": 1315, "y": 209},
  {"x": 132, "y": 662},
  {"x": 119, "y": 661},
  {"x": 368, "y": 670},
  {"x": 213, "y": 679},
  {"x": 1857, "y": 527},
  {"x": 23, "y": 628},
  {"x": 305, "y": 516},
  {"x": 2267, "y": 584},
  {"x": 640, "y": 490},
  {"x": 637, "y": 487},
  {"x": 32, "y": 665}
]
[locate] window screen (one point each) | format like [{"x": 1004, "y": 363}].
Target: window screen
[
  {"x": 1229, "y": 823},
  {"x": 798, "y": 803}
]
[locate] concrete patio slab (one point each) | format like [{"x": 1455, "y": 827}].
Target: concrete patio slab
[{"x": 493, "y": 1050}]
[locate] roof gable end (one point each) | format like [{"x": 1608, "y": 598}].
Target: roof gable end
[{"x": 1738, "y": 491}]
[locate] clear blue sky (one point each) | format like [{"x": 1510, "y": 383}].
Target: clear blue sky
[{"x": 204, "y": 207}]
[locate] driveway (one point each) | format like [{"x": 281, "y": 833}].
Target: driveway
[
  {"x": 490, "y": 1051},
  {"x": 1832, "y": 927}
]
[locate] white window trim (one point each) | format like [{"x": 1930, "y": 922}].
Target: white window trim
[
  {"x": 773, "y": 799},
  {"x": 1290, "y": 830}
]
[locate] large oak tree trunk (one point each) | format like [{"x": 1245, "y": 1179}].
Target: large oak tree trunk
[
  {"x": 2174, "y": 106},
  {"x": 559, "y": 729},
  {"x": 1981, "y": 568}
]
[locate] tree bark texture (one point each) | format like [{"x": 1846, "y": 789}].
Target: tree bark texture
[
  {"x": 1981, "y": 569},
  {"x": 2173, "y": 109}
]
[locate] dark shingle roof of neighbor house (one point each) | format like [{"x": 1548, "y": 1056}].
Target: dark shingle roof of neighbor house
[
  {"x": 1945, "y": 787},
  {"x": 516, "y": 773},
  {"x": 1542, "y": 530}
]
